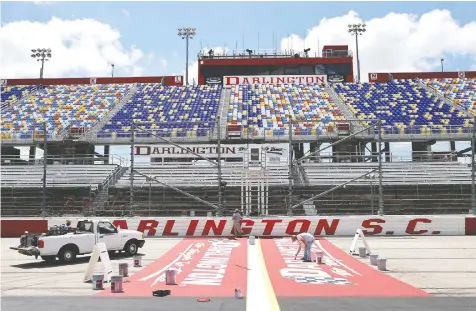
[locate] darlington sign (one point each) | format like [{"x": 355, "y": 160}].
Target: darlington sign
[
  {"x": 227, "y": 151},
  {"x": 299, "y": 79},
  {"x": 336, "y": 226},
  {"x": 325, "y": 226}
]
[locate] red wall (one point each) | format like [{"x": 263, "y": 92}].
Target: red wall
[
  {"x": 168, "y": 80},
  {"x": 273, "y": 61},
  {"x": 384, "y": 77},
  {"x": 15, "y": 228}
]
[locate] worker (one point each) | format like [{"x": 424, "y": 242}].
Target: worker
[
  {"x": 305, "y": 240},
  {"x": 237, "y": 223}
]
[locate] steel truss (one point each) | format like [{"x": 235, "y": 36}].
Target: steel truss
[
  {"x": 136, "y": 127},
  {"x": 374, "y": 123}
]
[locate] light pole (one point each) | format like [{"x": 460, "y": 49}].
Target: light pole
[
  {"x": 41, "y": 55},
  {"x": 357, "y": 29},
  {"x": 442, "y": 61},
  {"x": 112, "y": 70},
  {"x": 186, "y": 33}
]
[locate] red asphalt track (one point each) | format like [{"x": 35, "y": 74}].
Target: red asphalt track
[{"x": 215, "y": 267}]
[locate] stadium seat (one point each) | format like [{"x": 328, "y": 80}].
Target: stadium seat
[
  {"x": 461, "y": 91},
  {"x": 11, "y": 94},
  {"x": 154, "y": 104},
  {"x": 404, "y": 107},
  {"x": 268, "y": 107},
  {"x": 61, "y": 107}
]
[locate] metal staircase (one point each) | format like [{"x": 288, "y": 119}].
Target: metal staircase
[
  {"x": 343, "y": 108},
  {"x": 102, "y": 198},
  {"x": 223, "y": 111},
  {"x": 92, "y": 132}
]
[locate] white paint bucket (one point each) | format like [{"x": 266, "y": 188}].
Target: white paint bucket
[
  {"x": 124, "y": 269},
  {"x": 209, "y": 214},
  {"x": 192, "y": 213},
  {"x": 382, "y": 263},
  {"x": 362, "y": 252},
  {"x": 373, "y": 259},
  {"x": 238, "y": 293},
  {"x": 116, "y": 284},
  {"x": 319, "y": 257},
  {"x": 137, "y": 261},
  {"x": 251, "y": 239},
  {"x": 170, "y": 277},
  {"x": 98, "y": 281}
]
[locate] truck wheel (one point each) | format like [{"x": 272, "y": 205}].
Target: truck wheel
[
  {"x": 49, "y": 259},
  {"x": 67, "y": 255},
  {"x": 131, "y": 248}
]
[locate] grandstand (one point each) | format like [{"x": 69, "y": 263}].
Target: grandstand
[{"x": 259, "y": 123}]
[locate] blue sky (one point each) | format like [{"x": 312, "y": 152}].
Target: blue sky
[
  {"x": 141, "y": 37},
  {"x": 152, "y": 26}
]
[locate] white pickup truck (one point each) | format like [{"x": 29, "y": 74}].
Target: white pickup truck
[{"x": 66, "y": 243}]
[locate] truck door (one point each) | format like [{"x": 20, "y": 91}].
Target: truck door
[{"x": 109, "y": 235}]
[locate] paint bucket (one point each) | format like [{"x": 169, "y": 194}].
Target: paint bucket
[
  {"x": 238, "y": 293},
  {"x": 170, "y": 277},
  {"x": 116, "y": 284},
  {"x": 124, "y": 269},
  {"x": 373, "y": 259},
  {"x": 137, "y": 261},
  {"x": 98, "y": 281},
  {"x": 319, "y": 257},
  {"x": 362, "y": 252},
  {"x": 382, "y": 263},
  {"x": 251, "y": 239},
  {"x": 192, "y": 213}
]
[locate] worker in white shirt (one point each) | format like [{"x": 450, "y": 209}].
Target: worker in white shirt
[{"x": 305, "y": 240}]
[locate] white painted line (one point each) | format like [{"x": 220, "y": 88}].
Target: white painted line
[
  {"x": 260, "y": 294},
  {"x": 334, "y": 259}
]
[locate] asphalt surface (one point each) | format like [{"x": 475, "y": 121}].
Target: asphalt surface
[{"x": 230, "y": 304}]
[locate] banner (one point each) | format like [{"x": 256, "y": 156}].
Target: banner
[
  {"x": 281, "y": 79},
  {"x": 275, "y": 153}
]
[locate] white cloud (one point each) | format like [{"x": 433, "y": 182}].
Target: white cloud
[
  {"x": 81, "y": 47},
  {"x": 126, "y": 13},
  {"x": 396, "y": 41},
  {"x": 41, "y": 2}
]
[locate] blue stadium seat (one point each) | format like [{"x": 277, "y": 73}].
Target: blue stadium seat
[
  {"x": 404, "y": 107},
  {"x": 154, "y": 104}
]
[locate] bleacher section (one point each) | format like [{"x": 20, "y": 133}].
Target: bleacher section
[
  {"x": 192, "y": 175},
  {"x": 461, "y": 91},
  {"x": 11, "y": 94},
  {"x": 267, "y": 107},
  {"x": 57, "y": 176},
  {"x": 397, "y": 173},
  {"x": 404, "y": 106},
  {"x": 61, "y": 107},
  {"x": 153, "y": 104}
]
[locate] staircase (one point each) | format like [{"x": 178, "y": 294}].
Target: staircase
[
  {"x": 441, "y": 97},
  {"x": 103, "y": 196},
  {"x": 92, "y": 132},
  {"x": 223, "y": 110},
  {"x": 355, "y": 126}
]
